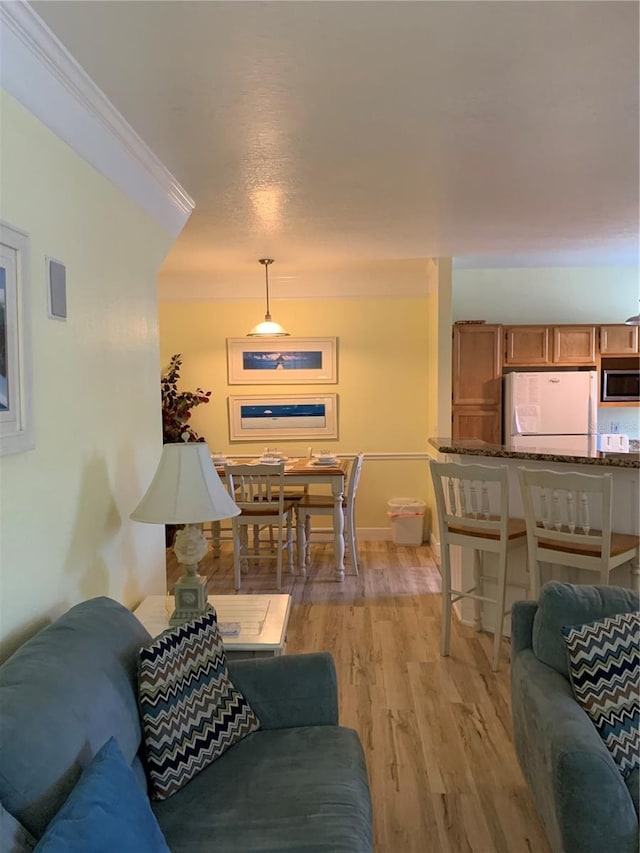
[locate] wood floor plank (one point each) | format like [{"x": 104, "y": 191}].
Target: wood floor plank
[{"x": 436, "y": 731}]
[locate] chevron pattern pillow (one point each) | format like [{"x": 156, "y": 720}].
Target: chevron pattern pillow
[
  {"x": 191, "y": 712},
  {"x": 604, "y": 666}
]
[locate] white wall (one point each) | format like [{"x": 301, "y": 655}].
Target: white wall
[
  {"x": 65, "y": 534},
  {"x": 546, "y": 295},
  {"x": 625, "y": 420}
]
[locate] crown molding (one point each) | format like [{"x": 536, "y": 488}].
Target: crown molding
[{"x": 42, "y": 75}]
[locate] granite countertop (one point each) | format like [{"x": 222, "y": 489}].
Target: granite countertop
[{"x": 473, "y": 447}]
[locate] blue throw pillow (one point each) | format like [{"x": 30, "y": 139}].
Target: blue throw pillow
[
  {"x": 604, "y": 666},
  {"x": 106, "y": 811}
]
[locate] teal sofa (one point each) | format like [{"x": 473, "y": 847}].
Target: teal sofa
[
  {"x": 298, "y": 784},
  {"x": 584, "y": 802}
]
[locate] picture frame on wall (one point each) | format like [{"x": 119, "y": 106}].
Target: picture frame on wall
[
  {"x": 274, "y": 416},
  {"x": 17, "y": 432},
  {"x": 273, "y": 361}
]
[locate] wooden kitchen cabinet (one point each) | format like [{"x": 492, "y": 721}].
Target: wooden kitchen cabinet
[
  {"x": 527, "y": 346},
  {"x": 618, "y": 340},
  {"x": 474, "y": 422},
  {"x": 477, "y": 365},
  {"x": 477, "y": 382},
  {"x": 550, "y": 346},
  {"x": 574, "y": 345}
]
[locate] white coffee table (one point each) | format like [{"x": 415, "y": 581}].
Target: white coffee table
[{"x": 263, "y": 621}]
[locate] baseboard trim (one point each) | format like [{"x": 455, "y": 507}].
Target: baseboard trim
[
  {"x": 435, "y": 547},
  {"x": 364, "y": 534}
]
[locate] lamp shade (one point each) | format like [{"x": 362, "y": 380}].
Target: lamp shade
[
  {"x": 268, "y": 329},
  {"x": 185, "y": 489}
]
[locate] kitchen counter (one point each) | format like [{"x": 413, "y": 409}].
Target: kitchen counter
[{"x": 473, "y": 447}]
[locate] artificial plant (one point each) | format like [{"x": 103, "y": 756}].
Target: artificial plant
[{"x": 177, "y": 405}]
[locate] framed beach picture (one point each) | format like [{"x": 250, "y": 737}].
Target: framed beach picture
[
  {"x": 274, "y": 361},
  {"x": 16, "y": 419},
  {"x": 272, "y": 416}
]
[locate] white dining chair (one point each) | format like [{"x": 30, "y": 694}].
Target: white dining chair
[
  {"x": 323, "y": 505},
  {"x": 473, "y": 511},
  {"x": 258, "y": 489},
  {"x": 562, "y": 511}
]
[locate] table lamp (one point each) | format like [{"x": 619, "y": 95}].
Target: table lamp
[{"x": 186, "y": 490}]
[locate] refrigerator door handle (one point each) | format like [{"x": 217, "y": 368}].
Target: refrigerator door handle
[{"x": 593, "y": 405}]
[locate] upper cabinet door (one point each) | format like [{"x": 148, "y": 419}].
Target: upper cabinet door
[
  {"x": 618, "y": 340},
  {"x": 574, "y": 345},
  {"x": 527, "y": 345},
  {"x": 531, "y": 346},
  {"x": 477, "y": 365}
]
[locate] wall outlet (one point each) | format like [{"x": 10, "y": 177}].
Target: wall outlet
[{"x": 614, "y": 426}]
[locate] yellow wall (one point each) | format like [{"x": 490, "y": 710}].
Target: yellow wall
[
  {"x": 439, "y": 361},
  {"x": 65, "y": 534},
  {"x": 385, "y": 365},
  {"x": 439, "y": 341}
]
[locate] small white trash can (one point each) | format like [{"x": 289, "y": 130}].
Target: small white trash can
[{"x": 407, "y": 520}]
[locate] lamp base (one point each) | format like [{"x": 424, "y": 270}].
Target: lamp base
[{"x": 190, "y": 593}]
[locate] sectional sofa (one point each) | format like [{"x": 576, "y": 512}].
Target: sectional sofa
[{"x": 298, "y": 784}]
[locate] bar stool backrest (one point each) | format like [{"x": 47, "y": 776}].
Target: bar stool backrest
[
  {"x": 472, "y": 500},
  {"x": 569, "y": 512}
]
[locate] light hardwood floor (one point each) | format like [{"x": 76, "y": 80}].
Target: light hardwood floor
[{"x": 436, "y": 731}]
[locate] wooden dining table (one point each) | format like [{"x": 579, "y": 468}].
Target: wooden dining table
[{"x": 309, "y": 472}]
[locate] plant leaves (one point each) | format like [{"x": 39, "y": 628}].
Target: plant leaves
[{"x": 177, "y": 405}]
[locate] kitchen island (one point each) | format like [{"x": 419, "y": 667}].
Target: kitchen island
[
  {"x": 626, "y": 510},
  {"x": 475, "y": 447}
]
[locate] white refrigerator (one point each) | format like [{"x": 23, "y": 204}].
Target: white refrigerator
[{"x": 551, "y": 411}]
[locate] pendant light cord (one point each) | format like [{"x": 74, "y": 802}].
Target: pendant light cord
[
  {"x": 268, "y": 328},
  {"x": 266, "y": 262},
  {"x": 267, "y": 316}
]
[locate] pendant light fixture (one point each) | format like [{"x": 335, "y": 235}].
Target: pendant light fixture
[
  {"x": 267, "y": 328},
  {"x": 633, "y": 321}
]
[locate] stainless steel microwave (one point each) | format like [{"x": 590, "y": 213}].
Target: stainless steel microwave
[{"x": 620, "y": 386}]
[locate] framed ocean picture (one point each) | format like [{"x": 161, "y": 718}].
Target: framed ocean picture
[
  {"x": 272, "y": 416},
  {"x": 16, "y": 416},
  {"x": 274, "y": 361}
]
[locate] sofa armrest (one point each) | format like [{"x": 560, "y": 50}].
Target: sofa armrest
[
  {"x": 522, "y": 615},
  {"x": 289, "y": 691},
  {"x": 579, "y": 792}
]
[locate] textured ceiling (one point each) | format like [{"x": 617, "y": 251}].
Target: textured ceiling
[{"x": 330, "y": 134}]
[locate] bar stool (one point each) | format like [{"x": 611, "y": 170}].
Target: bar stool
[
  {"x": 560, "y": 509},
  {"x": 473, "y": 511}
]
